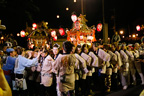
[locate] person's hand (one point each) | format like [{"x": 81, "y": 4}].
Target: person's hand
[
  {"x": 33, "y": 68},
  {"x": 39, "y": 53},
  {"x": 29, "y": 54}
]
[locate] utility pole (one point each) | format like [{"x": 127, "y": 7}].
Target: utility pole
[
  {"x": 82, "y": 7},
  {"x": 114, "y": 21},
  {"x": 105, "y": 26}
]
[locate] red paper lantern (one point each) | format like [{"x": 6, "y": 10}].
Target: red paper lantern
[
  {"x": 61, "y": 31},
  {"x": 77, "y": 25},
  {"x": 53, "y": 33},
  {"x": 138, "y": 28},
  {"x": 81, "y": 37},
  {"x": 31, "y": 46},
  {"x": 99, "y": 27},
  {"x": 22, "y": 33},
  {"x": 74, "y": 18},
  {"x": 34, "y": 25},
  {"x": 55, "y": 38}
]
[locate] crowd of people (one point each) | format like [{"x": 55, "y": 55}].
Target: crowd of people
[{"x": 71, "y": 70}]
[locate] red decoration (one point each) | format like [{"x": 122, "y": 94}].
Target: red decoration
[
  {"x": 22, "y": 33},
  {"x": 61, "y": 31},
  {"x": 99, "y": 27},
  {"x": 34, "y": 25},
  {"x": 138, "y": 28},
  {"x": 77, "y": 25},
  {"x": 31, "y": 46},
  {"x": 55, "y": 38},
  {"x": 74, "y": 18},
  {"x": 81, "y": 37},
  {"x": 53, "y": 33}
]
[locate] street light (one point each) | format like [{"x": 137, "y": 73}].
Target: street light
[
  {"x": 129, "y": 35},
  {"x": 58, "y": 16},
  {"x": 123, "y": 36},
  {"x": 18, "y": 34},
  {"x": 74, "y": 0},
  {"x": 133, "y": 35},
  {"x": 121, "y": 32},
  {"x": 2, "y": 38},
  {"x": 67, "y": 9},
  {"x": 46, "y": 23}
]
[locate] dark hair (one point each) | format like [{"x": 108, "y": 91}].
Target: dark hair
[
  {"x": 96, "y": 44},
  {"x": 8, "y": 53},
  {"x": 67, "y": 46},
  {"x": 85, "y": 45},
  {"x": 19, "y": 50},
  {"x": 78, "y": 46},
  {"x": 107, "y": 47}
]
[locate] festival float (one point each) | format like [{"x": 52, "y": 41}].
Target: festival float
[
  {"x": 39, "y": 36},
  {"x": 81, "y": 33}
]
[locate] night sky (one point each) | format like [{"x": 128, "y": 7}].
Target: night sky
[{"x": 15, "y": 13}]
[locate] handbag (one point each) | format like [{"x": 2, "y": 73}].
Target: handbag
[{"x": 18, "y": 81}]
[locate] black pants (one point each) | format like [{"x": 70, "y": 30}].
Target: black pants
[
  {"x": 69, "y": 93},
  {"x": 77, "y": 87},
  {"x": 114, "y": 80},
  {"x": 31, "y": 87},
  {"x": 88, "y": 84},
  {"x": 83, "y": 86},
  {"x": 102, "y": 82},
  {"x": 46, "y": 91}
]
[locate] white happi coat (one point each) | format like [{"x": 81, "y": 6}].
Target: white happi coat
[
  {"x": 113, "y": 61},
  {"x": 103, "y": 57},
  {"x": 130, "y": 55},
  {"x": 88, "y": 63},
  {"x": 136, "y": 54},
  {"x": 81, "y": 65},
  {"x": 46, "y": 73},
  {"x": 124, "y": 58},
  {"x": 64, "y": 66},
  {"x": 94, "y": 63},
  {"x": 118, "y": 58}
]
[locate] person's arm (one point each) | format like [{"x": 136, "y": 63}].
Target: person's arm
[
  {"x": 4, "y": 86},
  {"x": 119, "y": 39},
  {"x": 30, "y": 62},
  {"x": 83, "y": 63},
  {"x": 95, "y": 59}
]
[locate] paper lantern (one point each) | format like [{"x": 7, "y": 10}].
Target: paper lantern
[
  {"x": 89, "y": 37},
  {"x": 74, "y": 18},
  {"x": 138, "y": 28},
  {"x": 53, "y": 33},
  {"x": 55, "y": 38},
  {"x": 34, "y": 25},
  {"x": 99, "y": 27},
  {"x": 31, "y": 46},
  {"x": 22, "y": 33},
  {"x": 2, "y": 38},
  {"x": 81, "y": 37},
  {"x": 72, "y": 39},
  {"x": 61, "y": 31}
]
